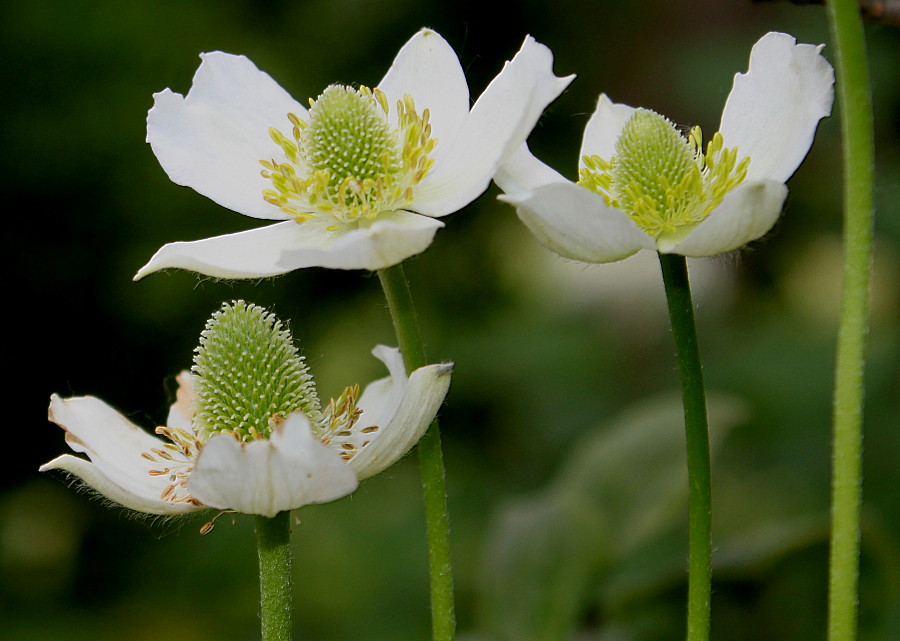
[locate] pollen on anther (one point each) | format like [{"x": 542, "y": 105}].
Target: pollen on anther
[
  {"x": 661, "y": 179},
  {"x": 346, "y": 162}
]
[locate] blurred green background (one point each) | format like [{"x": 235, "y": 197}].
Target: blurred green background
[{"x": 562, "y": 434}]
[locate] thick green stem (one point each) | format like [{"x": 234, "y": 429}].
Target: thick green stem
[
  {"x": 273, "y": 537},
  {"x": 854, "y": 98},
  {"x": 687, "y": 353},
  {"x": 431, "y": 460}
]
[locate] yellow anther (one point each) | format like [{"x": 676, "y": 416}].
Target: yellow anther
[
  {"x": 662, "y": 180},
  {"x": 345, "y": 161}
]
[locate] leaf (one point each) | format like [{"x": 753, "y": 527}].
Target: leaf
[
  {"x": 622, "y": 487},
  {"x": 538, "y": 568}
]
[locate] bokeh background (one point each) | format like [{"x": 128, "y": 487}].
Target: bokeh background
[{"x": 562, "y": 428}]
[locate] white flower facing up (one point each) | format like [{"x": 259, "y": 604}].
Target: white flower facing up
[
  {"x": 247, "y": 432},
  {"x": 643, "y": 185},
  {"x": 360, "y": 177}
]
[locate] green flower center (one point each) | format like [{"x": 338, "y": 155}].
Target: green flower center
[
  {"x": 346, "y": 162},
  {"x": 662, "y": 180},
  {"x": 247, "y": 377},
  {"x": 249, "y": 374},
  {"x": 346, "y": 136}
]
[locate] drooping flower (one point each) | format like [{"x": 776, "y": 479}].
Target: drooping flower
[
  {"x": 359, "y": 178},
  {"x": 643, "y": 185},
  {"x": 247, "y": 431}
]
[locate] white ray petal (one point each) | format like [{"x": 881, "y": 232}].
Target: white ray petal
[
  {"x": 289, "y": 470},
  {"x": 247, "y": 254},
  {"x": 427, "y": 69},
  {"x": 575, "y": 223},
  {"x": 401, "y": 409},
  {"x": 283, "y": 247},
  {"x": 773, "y": 110},
  {"x": 381, "y": 398},
  {"x": 523, "y": 172},
  {"x": 498, "y": 124},
  {"x": 93, "y": 477},
  {"x": 746, "y": 213},
  {"x": 115, "y": 446},
  {"x": 391, "y": 239},
  {"x": 181, "y": 413},
  {"x": 603, "y": 129},
  {"x": 213, "y": 139}
]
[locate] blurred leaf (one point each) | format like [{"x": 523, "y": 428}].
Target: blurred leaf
[
  {"x": 539, "y": 563},
  {"x": 623, "y": 486},
  {"x": 634, "y": 473}
]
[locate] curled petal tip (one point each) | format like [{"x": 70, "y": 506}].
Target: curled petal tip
[{"x": 444, "y": 369}]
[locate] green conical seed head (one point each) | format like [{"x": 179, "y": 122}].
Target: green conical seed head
[
  {"x": 649, "y": 149},
  {"x": 247, "y": 373},
  {"x": 347, "y": 136}
]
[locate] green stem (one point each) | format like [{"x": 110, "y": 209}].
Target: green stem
[
  {"x": 431, "y": 460},
  {"x": 854, "y": 98},
  {"x": 687, "y": 353},
  {"x": 273, "y": 537}
]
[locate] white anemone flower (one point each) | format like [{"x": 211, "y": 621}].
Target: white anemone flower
[
  {"x": 358, "y": 179},
  {"x": 218, "y": 454},
  {"x": 643, "y": 185}
]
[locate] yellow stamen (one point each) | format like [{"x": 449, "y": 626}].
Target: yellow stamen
[
  {"x": 662, "y": 180},
  {"x": 345, "y": 163}
]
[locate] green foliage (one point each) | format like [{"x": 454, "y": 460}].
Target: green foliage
[
  {"x": 544, "y": 350},
  {"x": 621, "y": 488}
]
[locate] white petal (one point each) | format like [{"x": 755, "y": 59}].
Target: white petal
[
  {"x": 283, "y": 247},
  {"x": 391, "y": 239},
  {"x": 247, "y": 254},
  {"x": 93, "y": 477},
  {"x": 575, "y": 223},
  {"x": 213, "y": 139},
  {"x": 498, "y": 124},
  {"x": 108, "y": 438},
  {"x": 381, "y": 398},
  {"x": 772, "y": 111},
  {"x": 401, "y": 408},
  {"x": 114, "y": 444},
  {"x": 523, "y": 172},
  {"x": 427, "y": 69},
  {"x": 181, "y": 413},
  {"x": 745, "y": 214},
  {"x": 285, "y": 472},
  {"x": 603, "y": 129}
]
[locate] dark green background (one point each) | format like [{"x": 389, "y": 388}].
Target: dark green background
[{"x": 553, "y": 360}]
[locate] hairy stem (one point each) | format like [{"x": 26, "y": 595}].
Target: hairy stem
[
  {"x": 431, "y": 460},
  {"x": 273, "y": 537},
  {"x": 854, "y": 98},
  {"x": 687, "y": 354}
]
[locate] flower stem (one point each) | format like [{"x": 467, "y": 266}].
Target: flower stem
[
  {"x": 687, "y": 354},
  {"x": 273, "y": 537},
  {"x": 431, "y": 460},
  {"x": 854, "y": 97}
]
